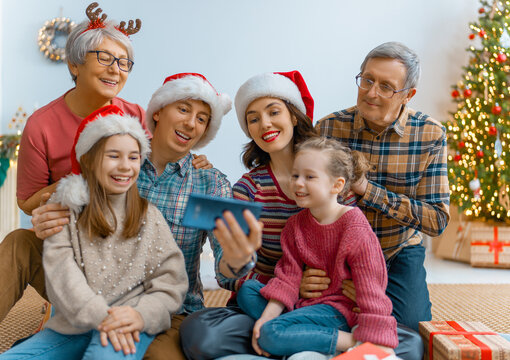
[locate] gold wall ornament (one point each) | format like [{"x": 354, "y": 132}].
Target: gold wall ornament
[
  {"x": 48, "y": 34},
  {"x": 504, "y": 197}
]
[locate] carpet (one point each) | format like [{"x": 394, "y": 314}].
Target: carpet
[{"x": 487, "y": 303}]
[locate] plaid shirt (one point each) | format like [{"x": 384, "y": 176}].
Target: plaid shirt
[
  {"x": 407, "y": 190},
  {"x": 170, "y": 193}
]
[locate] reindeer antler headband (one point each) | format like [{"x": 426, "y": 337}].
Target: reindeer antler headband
[{"x": 97, "y": 22}]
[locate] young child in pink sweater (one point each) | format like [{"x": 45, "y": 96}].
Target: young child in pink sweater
[{"x": 335, "y": 238}]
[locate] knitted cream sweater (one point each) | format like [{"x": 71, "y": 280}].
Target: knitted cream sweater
[{"x": 84, "y": 276}]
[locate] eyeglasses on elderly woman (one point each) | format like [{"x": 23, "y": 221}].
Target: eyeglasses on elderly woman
[{"x": 107, "y": 59}]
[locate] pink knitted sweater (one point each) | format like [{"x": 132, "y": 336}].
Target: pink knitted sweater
[{"x": 345, "y": 249}]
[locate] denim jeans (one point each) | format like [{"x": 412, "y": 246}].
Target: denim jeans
[
  {"x": 226, "y": 331},
  {"x": 407, "y": 287},
  {"x": 313, "y": 328},
  {"x": 51, "y": 345}
]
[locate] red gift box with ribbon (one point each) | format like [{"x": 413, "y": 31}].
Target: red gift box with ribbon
[
  {"x": 462, "y": 340},
  {"x": 490, "y": 246}
]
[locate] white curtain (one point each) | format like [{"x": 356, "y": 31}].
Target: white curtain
[{"x": 9, "y": 212}]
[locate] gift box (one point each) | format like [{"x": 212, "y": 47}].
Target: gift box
[
  {"x": 460, "y": 340},
  {"x": 366, "y": 351},
  {"x": 490, "y": 246},
  {"x": 455, "y": 241}
]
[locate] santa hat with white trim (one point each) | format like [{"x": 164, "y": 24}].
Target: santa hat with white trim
[
  {"x": 288, "y": 86},
  {"x": 190, "y": 86},
  {"x": 107, "y": 121}
]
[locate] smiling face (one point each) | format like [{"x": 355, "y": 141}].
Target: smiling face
[
  {"x": 179, "y": 127},
  {"x": 380, "y": 112},
  {"x": 119, "y": 165},
  {"x": 312, "y": 185},
  {"x": 99, "y": 81},
  {"x": 270, "y": 124}
]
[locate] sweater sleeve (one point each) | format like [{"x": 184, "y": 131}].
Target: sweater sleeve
[
  {"x": 366, "y": 260},
  {"x": 166, "y": 287},
  {"x": 284, "y": 287},
  {"x": 66, "y": 284}
]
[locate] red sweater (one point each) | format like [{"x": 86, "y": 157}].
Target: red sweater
[{"x": 345, "y": 249}]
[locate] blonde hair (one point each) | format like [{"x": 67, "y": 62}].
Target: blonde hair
[
  {"x": 342, "y": 161},
  {"x": 93, "y": 217}
]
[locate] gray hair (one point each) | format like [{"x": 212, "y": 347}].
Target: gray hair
[
  {"x": 80, "y": 41},
  {"x": 398, "y": 51}
]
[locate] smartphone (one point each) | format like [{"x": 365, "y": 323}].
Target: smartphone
[{"x": 203, "y": 210}]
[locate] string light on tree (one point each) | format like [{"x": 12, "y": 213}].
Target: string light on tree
[{"x": 479, "y": 129}]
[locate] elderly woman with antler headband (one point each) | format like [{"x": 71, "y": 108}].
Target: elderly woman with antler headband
[{"x": 99, "y": 57}]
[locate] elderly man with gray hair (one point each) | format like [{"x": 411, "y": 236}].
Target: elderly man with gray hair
[{"x": 405, "y": 193}]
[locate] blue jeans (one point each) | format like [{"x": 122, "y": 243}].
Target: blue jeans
[
  {"x": 51, "y": 345},
  {"x": 407, "y": 287},
  {"x": 313, "y": 328}
]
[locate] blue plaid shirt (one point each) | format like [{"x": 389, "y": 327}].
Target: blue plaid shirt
[
  {"x": 170, "y": 192},
  {"x": 407, "y": 191}
]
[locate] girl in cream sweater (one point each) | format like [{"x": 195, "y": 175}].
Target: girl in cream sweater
[{"x": 114, "y": 275}]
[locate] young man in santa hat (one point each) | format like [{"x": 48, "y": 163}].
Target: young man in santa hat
[{"x": 183, "y": 114}]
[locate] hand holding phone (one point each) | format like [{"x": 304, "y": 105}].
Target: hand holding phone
[{"x": 203, "y": 210}]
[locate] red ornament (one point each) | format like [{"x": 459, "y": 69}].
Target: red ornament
[
  {"x": 468, "y": 93},
  {"x": 496, "y": 109},
  {"x": 481, "y": 10},
  {"x": 455, "y": 94},
  {"x": 461, "y": 144},
  {"x": 501, "y": 58},
  {"x": 481, "y": 33},
  {"x": 471, "y": 36},
  {"x": 480, "y": 153},
  {"x": 492, "y": 130},
  {"x": 457, "y": 157}
]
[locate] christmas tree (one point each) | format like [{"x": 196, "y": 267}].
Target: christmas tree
[{"x": 479, "y": 131}]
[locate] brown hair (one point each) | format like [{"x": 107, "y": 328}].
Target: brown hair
[
  {"x": 93, "y": 217},
  {"x": 254, "y": 156},
  {"x": 342, "y": 161}
]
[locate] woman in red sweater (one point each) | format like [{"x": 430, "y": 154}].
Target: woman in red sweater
[{"x": 329, "y": 236}]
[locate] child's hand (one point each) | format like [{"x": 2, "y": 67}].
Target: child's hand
[
  {"x": 256, "y": 335},
  {"x": 120, "y": 341},
  {"x": 123, "y": 319},
  {"x": 201, "y": 162}
]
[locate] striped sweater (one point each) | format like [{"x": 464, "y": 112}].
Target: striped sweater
[{"x": 260, "y": 185}]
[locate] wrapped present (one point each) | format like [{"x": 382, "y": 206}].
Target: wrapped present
[
  {"x": 366, "y": 351},
  {"x": 460, "y": 340},
  {"x": 490, "y": 246},
  {"x": 454, "y": 242}
]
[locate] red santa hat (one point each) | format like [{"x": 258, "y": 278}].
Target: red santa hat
[
  {"x": 288, "y": 86},
  {"x": 107, "y": 121},
  {"x": 190, "y": 86}
]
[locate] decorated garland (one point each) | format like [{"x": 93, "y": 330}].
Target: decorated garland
[
  {"x": 9, "y": 145},
  {"x": 47, "y": 34}
]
